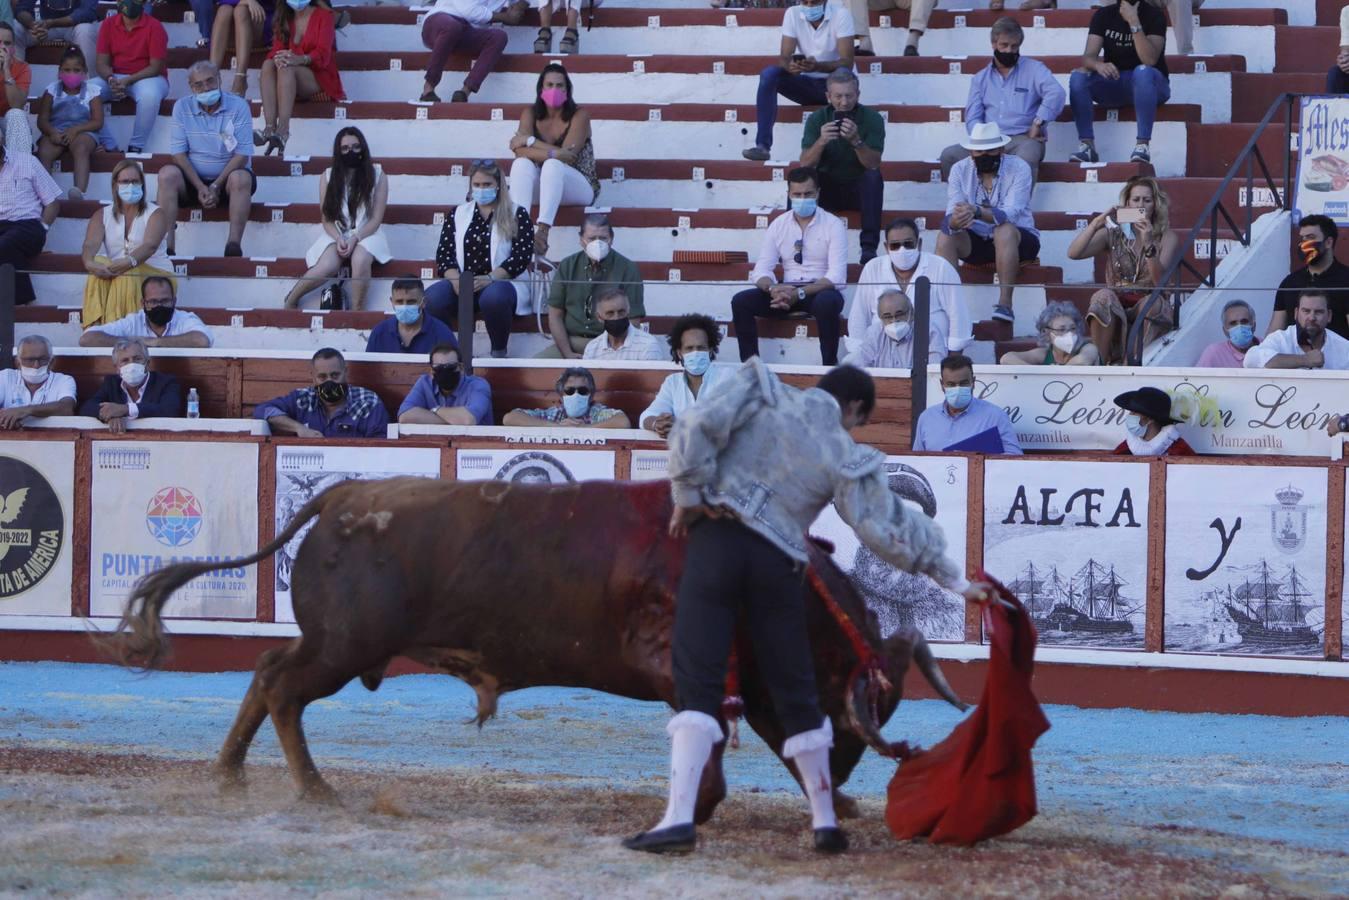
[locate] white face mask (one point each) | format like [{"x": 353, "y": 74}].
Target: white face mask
[
  {"x": 1135, "y": 426},
  {"x": 1066, "y": 342},
  {"x": 34, "y": 376},
  {"x": 898, "y": 331},
  {"x": 905, "y": 258},
  {"x": 597, "y": 250},
  {"x": 134, "y": 374}
]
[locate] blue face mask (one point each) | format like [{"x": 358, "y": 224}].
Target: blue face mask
[
  {"x": 696, "y": 362},
  {"x": 575, "y": 405},
  {"x": 407, "y": 313},
  {"x": 209, "y": 98},
  {"x": 813, "y": 13},
  {"x": 485, "y": 196},
  {"x": 130, "y": 193},
  {"x": 804, "y": 206},
  {"x": 1241, "y": 336},
  {"x": 1135, "y": 426},
  {"x": 959, "y": 397},
  {"x": 297, "y": 5},
  {"x": 1129, "y": 230}
]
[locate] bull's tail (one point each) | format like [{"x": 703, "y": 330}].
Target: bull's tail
[
  {"x": 139, "y": 638},
  {"x": 927, "y": 664}
]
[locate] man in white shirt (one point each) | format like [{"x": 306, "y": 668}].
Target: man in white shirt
[
  {"x": 29, "y": 204},
  {"x": 811, "y": 246},
  {"x": 462, "y": 27},
  {"x": 621, "y": 340},
  {"x": 33, "y": 389},
  {"x": 1306, "y": 344},
  {"x": 902, "y": 264},
  {"x": 159, "y": 323},
  {"x": 817, "y": 38},
  {"x": 889, "y": 341}
]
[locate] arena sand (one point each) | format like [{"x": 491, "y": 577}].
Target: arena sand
[{"x": 105, "y": 791}]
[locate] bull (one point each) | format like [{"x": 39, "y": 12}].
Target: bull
[{"x": 508, "y": 586}]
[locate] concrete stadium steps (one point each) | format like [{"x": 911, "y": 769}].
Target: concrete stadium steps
[
  {"x": 1306, "y": 49},
  {"x": 1253, "y": 92},
  {"x": 1211, "y": 149},
  {"x": 1328, "y": 12}
]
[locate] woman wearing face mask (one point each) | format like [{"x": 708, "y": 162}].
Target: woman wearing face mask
[
  {"x": 554, "y": 158},
  {"x": 1139, "y": 247},
  {"x": 1150, "y": 426},
  {"x": 353, "y": 195},
  {"x": 123, "y": 244},
  {"x": 1063, "y": 340},
  {"x": 69, "y": 114},
  {"x": 492, "y": 238},
  {"x": 301, "y": 66},
  {"x": 694, "y": 340}
]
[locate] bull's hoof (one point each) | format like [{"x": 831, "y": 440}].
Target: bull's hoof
[
  {"x": 846, "y": 807},
  {"x": 830, "y": 840},
  {"x": 229, "y": 780},
  {"x": 675, "y": 839},
  {"x": 319, "y": 794}
]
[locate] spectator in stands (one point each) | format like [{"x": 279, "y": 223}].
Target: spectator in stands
[
  {"x": 694, "y": 340},
  {"x": 902, "y": 265},
  {"x": 1182, "y": 21},
  {"x": 18, "y": 79},
  {"x": 576, "y": 408},
  {"x": 409, "y": 329},
  {"x": 1306, "y": 344},
  {"x": 28, "y": 206},
  {"x": 134, "y": 392},
  {"x": 1238, "y": 320},
  {"x": 69, "y": 115},
  {"x": 919, "y": 12},
  {"x": 1337, "y": 79},
  {"x": 302, "y": 65},
  {"x": 464, "y": 27},
  {"x": 159, "y": 323},
  {"x": 132, "y": 52},
  {"x": 1317, "y": 235},
  {"x": 33, "y": 389},
  {"x": 554, "y": 156},
  {"x": 1132, "y": 72},
  {"x": 1139, "y": 248},
  {"x": 47, "y": 21},
  {"x": 330, "y": 407},
  {"x": 1150, "y": 429},
  {"x": 1019, "y": 94},
  {"x": 888, "y": 343},
  {"x": 211, "y": 143},
  {"x": 843, "y": 143},
  {"x": 621, "y": 340},
  {"x": 123, "y": 245},
  {"x": 571, "y": 38},
  {"x": 353, "y": 196},
  {"x": 988, "y": 217},
  {"x": 446, "y": 395},
  {"x": 492, "y": 238},
  {"x": 1063, "y": 340},
  {"x": 249, "y": 23},
  {"x": 811, "y": 246},
  {"x": 963, "y": 421},
  {"x": 817, "y": 38},
  {"x": 579, "y": 280}
]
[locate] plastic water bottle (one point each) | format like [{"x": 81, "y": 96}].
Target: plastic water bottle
[{"x": 193, "y": 404}]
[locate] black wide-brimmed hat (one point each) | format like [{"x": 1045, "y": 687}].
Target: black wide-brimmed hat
[{"x": 1150, "y": 402}]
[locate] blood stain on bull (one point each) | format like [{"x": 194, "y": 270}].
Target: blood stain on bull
[{"x": 1123, "y": 515}]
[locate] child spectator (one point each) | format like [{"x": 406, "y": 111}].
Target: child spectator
[{"x": 69, "y": 114}]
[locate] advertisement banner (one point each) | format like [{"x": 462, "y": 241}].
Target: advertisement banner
[
  {"x": 543, "y": 466},
  {"x": 37, "y": 488},
  {"x": 302, "y": 473},
  {"x": 1246, "y": 560},
  {"x": 1323, "y": 159},
  {"x": 1237, "y": 411},
  {"x": 1071, "y": 540},
  {"x": 158, "y": 503},
  {"x": 934, "y": 486}
]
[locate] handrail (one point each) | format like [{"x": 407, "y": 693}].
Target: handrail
[{"x": 1169, "y": 288}]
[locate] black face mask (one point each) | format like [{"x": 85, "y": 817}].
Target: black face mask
[
  {"x": 447, "y": 377},
  {"x": 617, "y": 327},
  {"x": 159, "y": 316},
  {"x": 352, "y": 158},
  {"x": 131, "y": 9},
  {"x": 987, "y": 165},
  {"x": 332, "y": 392},
  {"x": 1006, "y": 60}
]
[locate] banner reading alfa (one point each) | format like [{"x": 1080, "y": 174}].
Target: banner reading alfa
[
  {"x": 157, "y": 503},
  {"x": 37, "y": 486},
  {"x": 1323, "y": 159}
]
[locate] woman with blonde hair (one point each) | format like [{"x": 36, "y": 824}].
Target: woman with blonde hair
[
  {"x": 1139, "y": 247},
  {"x": 123, "y": 245}
]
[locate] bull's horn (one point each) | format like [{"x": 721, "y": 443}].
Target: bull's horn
[{"x": 927, "y": 664}]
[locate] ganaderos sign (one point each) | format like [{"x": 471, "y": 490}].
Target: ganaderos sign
[{"x": 32, "y": 527}]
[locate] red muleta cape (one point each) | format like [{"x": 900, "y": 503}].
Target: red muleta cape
[{"x": 979, "y": 782}]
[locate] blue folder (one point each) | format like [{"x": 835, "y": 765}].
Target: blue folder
[{"x": 989, "y": 441}]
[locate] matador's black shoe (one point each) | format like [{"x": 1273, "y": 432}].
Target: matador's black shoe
[
  {"x": 830, "y": 840},
  {"x": 675, "y": 839}
]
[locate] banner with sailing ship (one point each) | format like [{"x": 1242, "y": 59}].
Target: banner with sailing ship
[
  {"x": 1071, "y": 540},
  {"x": 1246, "y": 560}
]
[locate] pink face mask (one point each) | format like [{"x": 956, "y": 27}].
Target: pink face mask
[
  {"x": 553, "y": 98},
  {"x": 72, "y": 80}
]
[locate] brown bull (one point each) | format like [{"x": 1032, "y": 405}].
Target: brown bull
[{"x": 509, "y": 586}]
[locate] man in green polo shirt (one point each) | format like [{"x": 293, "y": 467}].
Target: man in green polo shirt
[
  {"x": 843, "y": 141},
  {"x": 582, "y": 277}
]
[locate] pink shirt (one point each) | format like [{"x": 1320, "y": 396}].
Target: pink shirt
[{"x": 1222, "y": 355}]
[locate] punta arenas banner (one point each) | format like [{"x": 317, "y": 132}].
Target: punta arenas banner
[{"x": 1323, "y": 159}]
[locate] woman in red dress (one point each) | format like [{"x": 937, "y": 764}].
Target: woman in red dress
[{"x": 302, "y": 65}]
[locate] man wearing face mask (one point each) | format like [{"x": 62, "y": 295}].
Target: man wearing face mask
[
  {"x": 1238, "y": 319},
  {"x": 580, "y": 279},
  {"x": 409, "y": 329},
  {"x": 576, "y": 407},
  {"x": 158, "y": 324},
  {"x": 694, "y": 339},
  {"x": 963, "y": 421},
  {"x": 1306, "y": 344},
  {"x": 889, "y": 340},
  {"x": 329, "y": 407},
  {"x": 447, "y": 396},
  {"x": 132, "y": 50},
  {"x": 843, "y": 141},
  {"x": 1149, "y": 429},
  {"x": 134, "y": 392},
  {"x": 1316, "y": 237},
  {"x": 33, "y": 389},
  {"x": 621, "y": 339}
]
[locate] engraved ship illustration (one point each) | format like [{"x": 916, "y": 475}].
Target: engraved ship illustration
[
  {"x": 1268, "y": 610},
  {"x": 1090, "y": 602}
]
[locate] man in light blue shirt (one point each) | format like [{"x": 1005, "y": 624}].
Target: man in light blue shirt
[
  {"x": 212, "y": 145},
  {"x": 1020, "y": 95},
  {"x": 961, "y": 421},
  {"x": 446, "y": 395}
]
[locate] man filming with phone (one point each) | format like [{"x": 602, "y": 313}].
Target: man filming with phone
[{"x": 843, "y": 142}]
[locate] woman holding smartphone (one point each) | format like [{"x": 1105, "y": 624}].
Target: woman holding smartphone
[{"x": 1139, "y": 247}]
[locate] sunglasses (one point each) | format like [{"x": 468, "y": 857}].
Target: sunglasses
[
  {"x": 906, "y": 244},
  {"x": 583, "y": 391},
  {"x": 483, "y": 164},
  {"x": 446, "y": 367},
  {"x": 797, "y": 257}
]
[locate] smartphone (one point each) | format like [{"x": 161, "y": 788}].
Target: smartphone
[
  {"x": 798, "y": 57},
  {"x": 839, "y": 116},
  {"x": 1130, "y": 214}
]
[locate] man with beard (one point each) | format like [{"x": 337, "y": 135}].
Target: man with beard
[
  {"x": 1316, "y": 237},
  {"x": 1306, "y": 344},
  {"x": 445, "y": 395},
  {"x": 329, "y": 407}
]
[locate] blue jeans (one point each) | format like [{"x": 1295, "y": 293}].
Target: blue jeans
[
  {"x": 774, "y": 80},
  {"x": 495, "y": 303},
  {"x": 1336, "y": 81},
  {"x": 1144, "y": 88},
  {"x": 205, "y": 13},
  {"x": 147, "y": 93}
]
